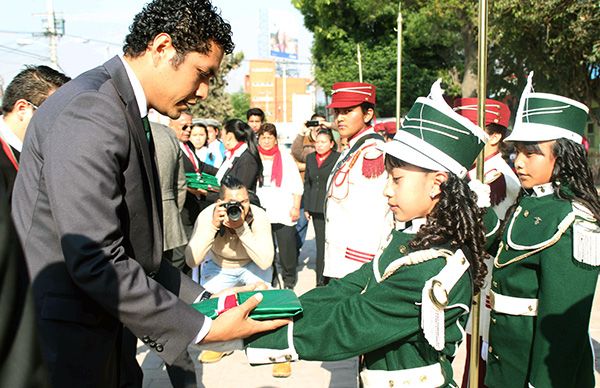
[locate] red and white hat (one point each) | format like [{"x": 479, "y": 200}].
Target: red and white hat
[
  {"x": 348, "y": 94},
  {"x": 495, "y": 111}
]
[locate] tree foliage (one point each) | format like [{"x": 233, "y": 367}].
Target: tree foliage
[
  {"x": 558, "y": 39},
  {"x": 240, "y": 102},
  {"x": 218, "y": 105}
]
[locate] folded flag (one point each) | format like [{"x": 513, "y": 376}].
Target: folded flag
[
  {"x": 202, "y": 181},
  {"x": 275, "y": 304}
]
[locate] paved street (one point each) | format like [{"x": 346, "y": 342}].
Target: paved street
[{"x": 233, "y": 371}]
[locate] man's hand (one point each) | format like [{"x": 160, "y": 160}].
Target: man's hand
[
  {"x": 219, "y": 214},
  {"x": 197, "y": 192},
  {"x": 235, "y": 323},
  {"x": 294, "y": 214},
  {"x": 307, "y": 215}
]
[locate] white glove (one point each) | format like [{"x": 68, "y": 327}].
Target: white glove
[{"x": 482, "y": 191}]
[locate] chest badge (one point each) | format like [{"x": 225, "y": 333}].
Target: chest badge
[{"x": 537, "y": 220}]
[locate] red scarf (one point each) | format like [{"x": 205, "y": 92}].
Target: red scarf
[
  {"x": 231, "y": 151},
  {"x": 277, "y": 171},
  {"x": 322, "y": 157}
]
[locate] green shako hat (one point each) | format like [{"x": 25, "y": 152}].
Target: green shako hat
[
  {"x": 433, "y": 136},
  {"x": 543, "y": 116}
]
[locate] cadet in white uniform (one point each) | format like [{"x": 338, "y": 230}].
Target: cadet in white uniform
[{"x": 357, "y": 218}]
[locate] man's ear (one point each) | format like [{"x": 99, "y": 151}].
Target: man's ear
[
  {"x": 21, "y": 108},
  {"x": 161, "y": 48}
]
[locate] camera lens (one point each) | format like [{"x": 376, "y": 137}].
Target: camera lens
[{"x": 234, "y": 212}]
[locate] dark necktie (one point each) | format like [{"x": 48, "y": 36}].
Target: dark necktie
[{"x": 146, "y": 127}]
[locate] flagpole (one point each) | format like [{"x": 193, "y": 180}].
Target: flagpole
[
  {"x": 399, "y": 66},
  {"x": 481, "y": 94}
]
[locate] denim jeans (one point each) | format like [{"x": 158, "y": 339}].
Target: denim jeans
[{"x": 214, "y": 278}]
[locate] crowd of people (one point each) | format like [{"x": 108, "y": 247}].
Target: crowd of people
[{"x": 114, "y": 239}]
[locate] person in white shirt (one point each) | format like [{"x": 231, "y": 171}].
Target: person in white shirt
[{"x": 280, "y": 194}]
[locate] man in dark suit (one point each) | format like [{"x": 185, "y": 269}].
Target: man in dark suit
[
  {"x": 21, "y": 364},
  {"x": 86, "y": 203},
  {"x": 25, "y": 93},
  {"x": 196, "y": 200}
]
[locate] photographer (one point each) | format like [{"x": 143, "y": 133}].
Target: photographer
[{"x": 231, "y": 240}]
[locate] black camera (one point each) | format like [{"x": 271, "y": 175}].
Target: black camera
[
  {"x": 234, "y": 210},
  {"x": 312, "y": 123}
]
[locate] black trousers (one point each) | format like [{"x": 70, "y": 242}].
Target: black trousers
[
  {"x": 318, "y": 220},
  {"x": 284, "y": 237}
]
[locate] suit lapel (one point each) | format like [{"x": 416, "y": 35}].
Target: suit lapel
[{"x": 144, "y": 148}]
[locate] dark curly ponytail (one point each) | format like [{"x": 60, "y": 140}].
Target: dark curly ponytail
[
  {"x": 572, "y": 177},
  {"x": 456, "y": 220}
]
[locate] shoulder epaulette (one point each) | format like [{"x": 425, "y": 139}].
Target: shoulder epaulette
[{"x": 586, "y": 236}]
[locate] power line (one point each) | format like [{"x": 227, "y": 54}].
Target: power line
[{"x": 24, "y": 53}]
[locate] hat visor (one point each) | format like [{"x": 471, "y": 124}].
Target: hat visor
[
  {"x": 343, "y": 104},
  {"x": 410, "y": 155},
  {"x": 540, "y": 132}
]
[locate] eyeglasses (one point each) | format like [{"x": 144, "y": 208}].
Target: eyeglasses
[
  {"x": 35, "y": 107},
  {"x": 186, "y": 127}
]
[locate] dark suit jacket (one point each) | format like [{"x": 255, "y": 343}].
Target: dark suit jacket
[
  {"x": 245, "y": 169},
  {"x": 315, "y": 181},
  {"x": 194, "y": 205},
  {"x": 7, "y": 169},
  {"x": 86, "y": 205},
  {"x": 21, "y": 363}
]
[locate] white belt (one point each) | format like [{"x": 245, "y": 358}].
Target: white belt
[
  {"x": 424, "y": 376},
  {"x": 512, "y": 305}
]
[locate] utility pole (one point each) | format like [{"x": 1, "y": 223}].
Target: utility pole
[
  {"x": 54, "y": 28},
  {"x": 399, "y": 69}
]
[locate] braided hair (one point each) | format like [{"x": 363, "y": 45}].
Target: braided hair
[{"x": 455, "y": 220}]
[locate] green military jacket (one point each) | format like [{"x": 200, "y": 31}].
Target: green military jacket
[
  {"x": 381, "y": 319},
  {"x": 552, "y": 348}
]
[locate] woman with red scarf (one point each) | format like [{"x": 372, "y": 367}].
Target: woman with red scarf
[
  {"x": 318, "y": 167},
  {"x": 280, "y": 195}
]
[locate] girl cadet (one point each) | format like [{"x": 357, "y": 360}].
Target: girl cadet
[
  {"x": 546, "y": 267},
  {"x": 405, "y": 310}
]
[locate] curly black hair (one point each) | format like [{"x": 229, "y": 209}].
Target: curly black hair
[
  {"x": 193, "y": 25},
  {"x": 571, "y": 177},
  {"x": 456, "y": 220}
]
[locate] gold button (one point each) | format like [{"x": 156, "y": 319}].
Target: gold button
[
  {"x": 272, "y": 359},
  {"x": 423, "y": 378},
  {"x": 490, "y": 349},
  {"x": 530, "y": 308},
  {"x": 402, "y": 249},
  {"x": 495, "y": 283},
  {"x": 391, "y": 383},
  {"x": 493, "y": 320},
  {"x": 526, "y": 213},
  {"x": 288, "y": 357}
]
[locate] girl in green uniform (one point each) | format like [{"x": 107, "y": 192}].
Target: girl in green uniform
[
  {"x": 546, "y": 268},
  {"x": 406, "y": 310}
]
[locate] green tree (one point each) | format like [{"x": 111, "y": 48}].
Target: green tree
[
  {"x": 240, "y": 102},
  {"x": 558, "y": 39},
  {"x": 218, "y": 105}
]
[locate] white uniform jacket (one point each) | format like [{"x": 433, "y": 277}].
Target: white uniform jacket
[{"x": 356, "y": 212}]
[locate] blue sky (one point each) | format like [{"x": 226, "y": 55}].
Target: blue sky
[{"x": 95, "y": 31}]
